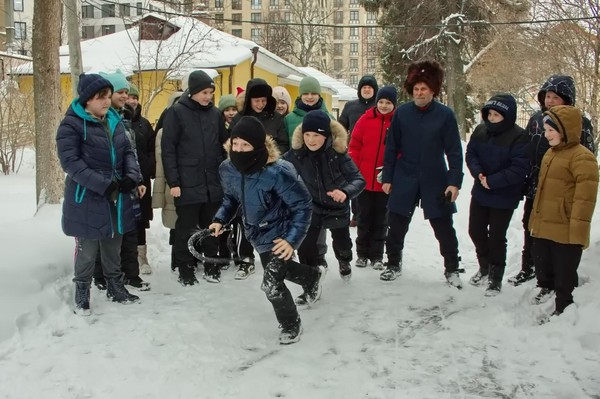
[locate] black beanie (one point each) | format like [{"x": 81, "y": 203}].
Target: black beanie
[
  {"x": 251, "y": 129},
  {"x": 89, "y": 85},
  {"x": 198, "y": 81},
  {"x": 389, "y": 93},
  {"x": 317, "y": 121},
  {"x": 504, "y": 104}
]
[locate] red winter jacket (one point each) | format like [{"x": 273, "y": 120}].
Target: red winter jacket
[{"x": 367, "y": 145}]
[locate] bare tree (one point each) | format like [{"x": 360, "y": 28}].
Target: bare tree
[
  {"x": 16, "y": 125},
  {"x": 47, "y": 16},
  {"x": 275, "y": 36}
]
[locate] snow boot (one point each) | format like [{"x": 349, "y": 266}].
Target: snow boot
[
  {"x": 522, "y": 277},
  {"x": 313, "y": 292},
  {"x": 481, "y": 277},
  {"x": 245, "y": 269},
  {"x": 451, "y": 272},
  {"x": 212, "y": 273},
  {"x": 145, "y": 267},
  {"x": 377, "y": 264},
  {"x": 361, "y": 262},
  {"x": 186, "y": 275},
  {"x": 393, "y": 269},
  {"x": 301, "y": 299},
  {"x": 100, "y": 283},
  {"x": 138, "y": 283},
  {"x": 82, "y": 299},
  {"x": 117, "y": 292},
  {"x": 290, "y": 333},
  {"x": 345, "y": 270},
  {"x": 542, "y": 296},
  {"x": 495, "y": 280}
]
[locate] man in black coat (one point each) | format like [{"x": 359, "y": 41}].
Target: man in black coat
[
  {"x": 353, "y": 110},
  {"x": 192, "y": 150}
]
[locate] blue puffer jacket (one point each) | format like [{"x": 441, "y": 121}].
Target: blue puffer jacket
[
  {"x": 274, "y": 202},
  {"x": 93, "y": 156}
]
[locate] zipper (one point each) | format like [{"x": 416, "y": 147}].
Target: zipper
[
  {"x": 378, "y": 148},
  {"x": 243, "y": 196}
]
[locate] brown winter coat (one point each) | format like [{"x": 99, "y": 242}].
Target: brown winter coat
[
  {"x": 568, "y": 185},
  {"x": 161, "y": 192}
]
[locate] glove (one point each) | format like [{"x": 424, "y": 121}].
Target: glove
[
  {"x": 126, "y": 185},
  {"x": 112, "y": 189}
]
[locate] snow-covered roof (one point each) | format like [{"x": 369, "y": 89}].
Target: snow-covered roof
[{"x": 344, "y": 92}]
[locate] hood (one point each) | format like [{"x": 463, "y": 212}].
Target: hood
[
  {"x": 338, "y": 140},
  {"x": 562, "y": 85},
  {"x": 259, "y": 88},
  {"x": 368, "y": 80},
  {"x": 271, "y": 145},
  {"x": 569, "y": 121}
]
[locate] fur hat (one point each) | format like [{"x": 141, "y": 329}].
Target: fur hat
[
  {"x": 89, "y": 85},
  {"x": 428, "y": 72},
  {"x": 117, "y": 79},
  {"x": 317, "y": 121},
  {"x": 281, "y": 93}
]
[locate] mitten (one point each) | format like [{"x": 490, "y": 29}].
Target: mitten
[
  {"x": 113, "y": 187},
  {"x": 126, "y": 185}
]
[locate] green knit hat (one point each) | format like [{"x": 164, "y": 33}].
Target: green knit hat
[
  {"x": 309, "y": 85},
  {"x": 133, "y": 90},
  {"x": 117, "y": 79},
  {"x": 226, "y": 102}
]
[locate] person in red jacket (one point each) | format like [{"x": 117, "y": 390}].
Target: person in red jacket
[{"x": 366, "y": 149}]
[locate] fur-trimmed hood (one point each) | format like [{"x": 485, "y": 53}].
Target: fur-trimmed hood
[
  {"x": 272, "y": 149},
  {"x": 338, "y": 139}
]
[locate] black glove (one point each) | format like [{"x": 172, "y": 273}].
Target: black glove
[
  {"x": 112, "y": 189},
  {"x": 126, "y": 185}
]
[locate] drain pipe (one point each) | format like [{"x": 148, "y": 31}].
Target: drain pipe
[{"x": 255, "y": 56}]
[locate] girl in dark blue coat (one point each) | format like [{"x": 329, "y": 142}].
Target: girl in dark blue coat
[
  {"x": 101, "y": 171},
  {"x": 319, "y": 153},
  {"x": 498, "y": 161},
  {"x": 276, "y": 209}
]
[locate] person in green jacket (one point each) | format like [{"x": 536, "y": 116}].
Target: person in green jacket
[{"x": 310, "y": 99}]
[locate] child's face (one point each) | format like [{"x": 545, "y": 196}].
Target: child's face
[
  {"x": 99, "y": 105},
  {"x": 240, "y": 145},
  {"x": 204, "y": 97},
  {"x": 554, "y": 138},
  {"x": 229, "y": 113},
  {"x": 119, "y": 98},
  {"x": 133, "y": 101},
  {"x": 313, "y": 140},
  {"x": 258, "y": 104},
  {"x": 494, "y": 116},
  {"x": 310, "y": 98},
  {"x": 281, "y": 107},
  {"x": 552, "y": 99},
  {"x": 385, "y": 106}
]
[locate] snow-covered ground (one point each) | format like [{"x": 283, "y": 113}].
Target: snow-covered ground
[{"x": 413, "y": 338}]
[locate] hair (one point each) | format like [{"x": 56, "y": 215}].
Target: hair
[{"x": 104, "y": 91}]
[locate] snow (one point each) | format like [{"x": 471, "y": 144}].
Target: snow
[{"x": 411, "y": 338}]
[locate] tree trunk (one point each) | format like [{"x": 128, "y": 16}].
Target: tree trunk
[
  {"x": 47, "y": 99},
  {"x": 457, "y": 86},
  {"x": 73, "y": 32}
]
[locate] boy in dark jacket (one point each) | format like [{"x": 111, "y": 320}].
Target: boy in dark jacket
[
  {"x": 497, "y": 159},
  {"x": 101, "y": 171},
  {"x": 192, "y": 140},
  {"x": 319, "y": 153},
  {"x": 276, "y": 208}
]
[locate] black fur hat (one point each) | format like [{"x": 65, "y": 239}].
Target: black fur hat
[{"x": 428, "y": 72}]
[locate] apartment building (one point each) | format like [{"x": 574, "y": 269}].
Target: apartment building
[
  {"x": 350, "y": 46},
  {"x": 17, "y": 24}
]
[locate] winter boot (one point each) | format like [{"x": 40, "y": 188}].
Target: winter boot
[
  {"x": 143, "y": 260},
  {"x": 345, "y": 270},
  {"x": 495, "y": 280},
  {"x": 117, "y": 292},
  {"x": 313, "y": 292},
  {"x": 377, "y": 264},
  {"x": 100, "y": 283},
  {"x": 361, "y": 262},
  {"x": 186, "y": 275},
  {"x": 523, "y": 276},
  {"x": 481, "y": 277},
  {"x": 212, "y": 273},
  {"x": 138, "y": 283},
  {"x": 245, "y": 269},
  {"x": 301, "y": 299},
  {"x": 290, "y": 333},
  {"x": 82, "y": 299},
  {"x": 451, "y": 272},
  {"x": 542, "y": 296},
  {"x": 393, "y": 269}
]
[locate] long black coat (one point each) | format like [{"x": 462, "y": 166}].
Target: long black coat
[
  {"x": 326, "y": 170},
  {"x": 192, "y": 150}
]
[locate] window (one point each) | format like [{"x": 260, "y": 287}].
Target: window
[
  {"x": 338, "y": 17},
  {"x": 372, "y": 32},
  {"x": 353, "y": 16},
  {"x": 124, "y": 10},
  {"x": 354, "y": 32},
  {"x": 353, "y": 80},
  {"x": 128, "y": 26},
  {"x": 287, "y": 17},
  {"x": 338, "y": 3},
  {"x": 354, "y": 3},
  {"x": 338, "y": 64},
  {"x": 371, "y": 49},
  {"x": 371, "y": 16},
  {"x": 138, "y": 8},
  {"x": 20, "y": 30},
  {"x": 337, "y": 48},
  {"x": 87, "y": 11},
  {"x": 18, "y": 5},
  {"x": 353, "y": 47},
  {"x": 256, "y": 4},
  {"x": 353, "y": 63},
  {"x": 236, "y": 32},
  {"x": 255, "y": 34},
  {"x": 274, "y": 3},
  {"x": 286, "y": 2},
  {"x": 219, "y": 18},
  {"x": 338, "y": 33},
  {"x": 218, "y": 3},
  {"x": 87, "y": 32},
  {"x": 371, "y": 63},
  {"x": 256, "y": 17},
  {"x": 236, "y": 4},
  {"x": 108, "y": 29},
  {"x": 236, "y": 19},
  {"x": 108, "y": 10}
]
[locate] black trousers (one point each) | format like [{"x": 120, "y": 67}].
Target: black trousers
[
  {"x": 276, "y": 271},
  {"x": 371, "y": 224},
  {"x": 443, "y": 230},
  {"x": 243, "y": 248},
  {"x": 141, "y": 234},
  {"x": 556, "y": 268},
  {"x": 189, "y": 219},
  {"x": 487, "y": 229},
  {"x": 308, "y": 252},
  {"x": 527, "y": 256},
  {"x": 129, "y": 257}
]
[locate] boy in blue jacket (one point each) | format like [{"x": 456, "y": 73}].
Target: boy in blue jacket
[
  {"x": 276, "y": 210},
  {"x": 101, "y": 171}
]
